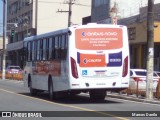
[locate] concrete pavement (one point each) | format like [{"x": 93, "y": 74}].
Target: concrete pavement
[
  {"x": 124, "y": 96},
  {"x": 133, "y": 98}
]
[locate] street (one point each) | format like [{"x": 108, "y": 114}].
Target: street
[{"x": 16, "y": 98}]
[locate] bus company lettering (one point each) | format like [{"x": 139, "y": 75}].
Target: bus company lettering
[
  {"x": 92, "y": 60},
  {"x": 101, "y": 33}
]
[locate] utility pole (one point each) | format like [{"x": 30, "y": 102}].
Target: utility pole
[
  {"x": 70, "y": 3},
  {"x": 36, "y": 16},
  {"x": 150, "y": 50},
  {"x": 4, "y": 40}
]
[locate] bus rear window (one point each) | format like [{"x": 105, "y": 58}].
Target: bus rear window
[{"x": 98, "y": 38}]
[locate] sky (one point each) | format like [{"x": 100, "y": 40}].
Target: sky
[
  {"x": 1, "y": 11},
  {"x": 1, "y": 17}
]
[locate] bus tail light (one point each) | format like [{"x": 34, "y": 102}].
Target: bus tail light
[
  {"x": 125, "y": 67},
  {"x": 74, "y": 68}
]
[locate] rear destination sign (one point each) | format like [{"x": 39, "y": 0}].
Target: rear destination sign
[{"x": 98, "y": 38}]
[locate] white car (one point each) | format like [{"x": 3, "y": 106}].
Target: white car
[
  {"x": 157, "y": 73},
  {"x": 13, "y": 69},
  {"x": 139, "y": 76}
]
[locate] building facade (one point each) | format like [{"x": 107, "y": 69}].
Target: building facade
[
  {"x": 137, "y": 31},
  {"x": 34, "y": 17},
  {"x": 102, "y": 10},
  {"x": 136, "y": 21},
  {"x": 21, "y": 13}
]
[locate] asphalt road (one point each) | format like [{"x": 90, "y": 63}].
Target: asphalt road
[{"x": 15, "y": 97}]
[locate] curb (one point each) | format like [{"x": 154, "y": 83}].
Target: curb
[{"x": 134, "y": 98}]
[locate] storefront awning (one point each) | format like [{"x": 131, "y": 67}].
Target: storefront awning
[{"x": 14, "y": 46}]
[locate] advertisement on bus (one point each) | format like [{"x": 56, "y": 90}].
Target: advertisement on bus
[{"x": 99, "y": 38}]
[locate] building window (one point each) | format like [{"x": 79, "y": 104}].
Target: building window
[
  {"x": 132, "y": 33},
  {"x": 100, "y": 2}
]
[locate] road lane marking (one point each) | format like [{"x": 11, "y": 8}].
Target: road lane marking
[{"x": 70, "y": 106}]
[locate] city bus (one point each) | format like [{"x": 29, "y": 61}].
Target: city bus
[{"x": 92, "y": 58}]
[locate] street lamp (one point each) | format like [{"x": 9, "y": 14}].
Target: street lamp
[{"x": 4, "y": 39}]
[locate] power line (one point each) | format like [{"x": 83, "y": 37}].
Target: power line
[
  {"x": 70, "y": 3},
  {"x": 64, "y": 3},
  {"x": 48, "y": 2}
]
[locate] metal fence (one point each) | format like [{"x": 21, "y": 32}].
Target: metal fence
[
  {"x": 13, "y": 76},
  {"x": 141, "y": 92}
]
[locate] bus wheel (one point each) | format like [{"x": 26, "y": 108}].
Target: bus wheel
[
  {"x": 97, "y": 94},
  {"x": 32, "y": 91},
  {"x": 50, "y": 90},
  {"x": 52, "y": 95}
]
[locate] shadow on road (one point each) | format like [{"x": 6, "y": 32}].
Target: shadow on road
[{"x": 72, "y": 99}]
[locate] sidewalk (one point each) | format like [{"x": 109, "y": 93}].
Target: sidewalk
[{"x": 133, "y": 98}]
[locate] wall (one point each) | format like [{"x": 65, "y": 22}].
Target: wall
[
  {"x": 125, "y": 8},
  {"x": 100, "y": 10},
  {"x": 157, "y": 32},
  {"x": 49, "y": 19},
  {"x": 141, "y": 32},
  {"x": 138, "y": 47}
]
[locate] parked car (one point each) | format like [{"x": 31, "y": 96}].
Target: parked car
[
  {"x": 139, "y": 76},
  {"x": 13, "y": 69},
  {"x": 157, "y": 73}
]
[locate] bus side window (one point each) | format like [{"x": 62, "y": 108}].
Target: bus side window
[
  {"x": 66, "y": 42},
  {"x": 47, "y": 49},
  {"x": 59, "y": 46},
  {"x": 44, "y": 41},
  {"x": 24, "y": 54},
  {"x": 29, "y": 51},
  {"x": 33, "y": 44},
  {"x": 41, "y": 49},
  {"x": 25, "y": 51},
  {"x": 50, "y": 43},
  {"x": 63, "y": 42},
  {"x": 53, "y": 48},
  {"x": 35, "y": 50},
  {"x": 63, "y": 47},
  {"x": 56, "y": 47},
  {"x": 38, "y": 49}
]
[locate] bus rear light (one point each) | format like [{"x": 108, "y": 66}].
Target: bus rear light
[
  {"x": 125, "y": 67},
  {"x": 74, "y": 68}
]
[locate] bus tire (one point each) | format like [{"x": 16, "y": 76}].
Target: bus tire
[
  {"x": 97, "y": 94},
  {"x": 50, "y": 90},
  {"x": 52, "y": 95},
  {"x": 32, "y": 91}
]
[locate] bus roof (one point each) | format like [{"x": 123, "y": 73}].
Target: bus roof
[
  {"x": 91, "y": 25},
  {"x": 44, "y": 35}
]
